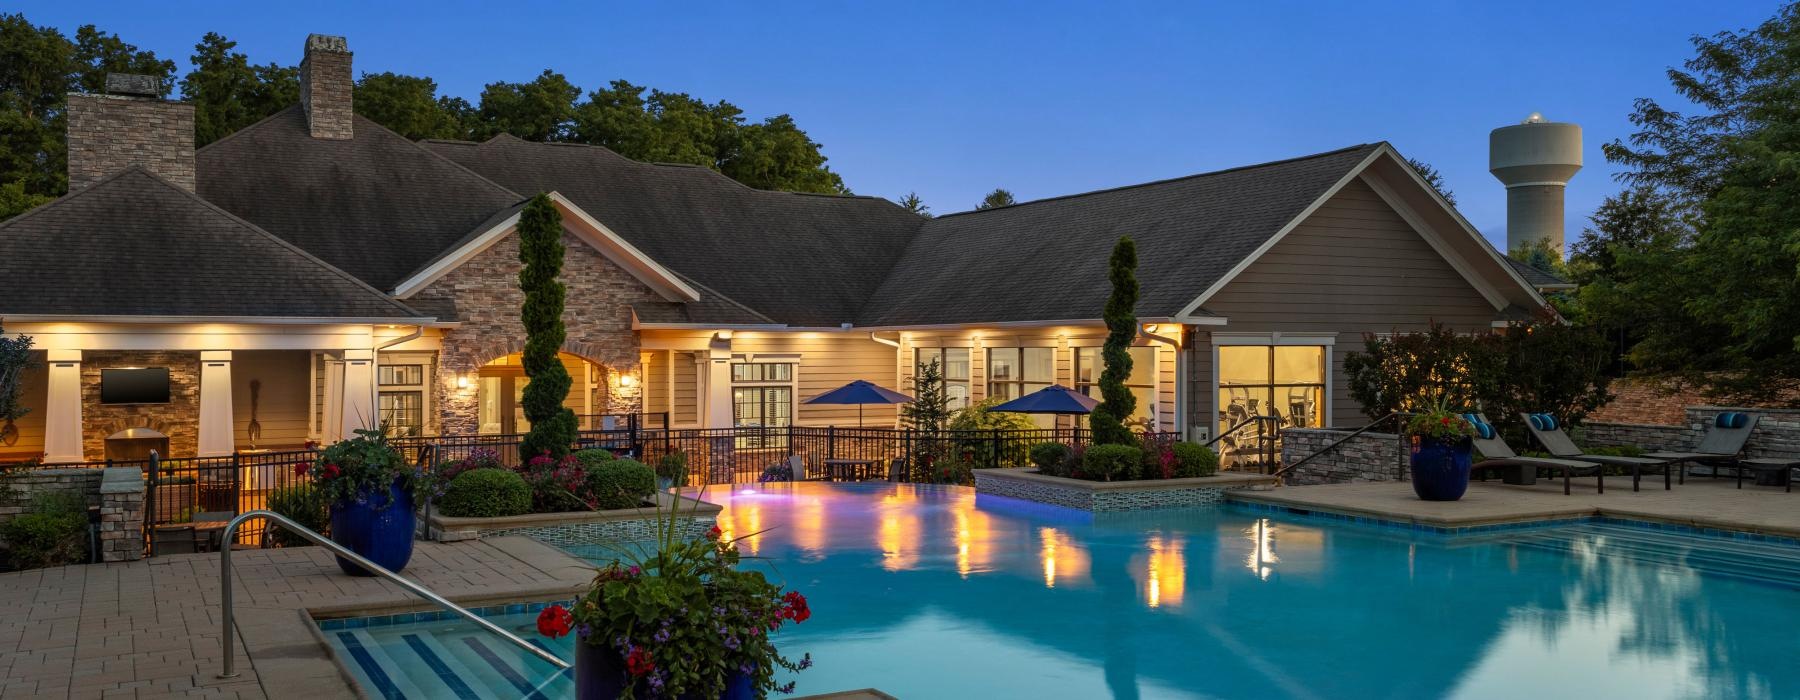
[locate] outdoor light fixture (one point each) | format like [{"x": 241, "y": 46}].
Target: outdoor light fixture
[
  {"x": 462, "y": 381},
  {"x": 1152, "y": 328},
  {"x": 627, "y": 380}
]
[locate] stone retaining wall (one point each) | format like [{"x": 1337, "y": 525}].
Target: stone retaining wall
[
  {"x": 117, "y": 494},
  {"x": 1777, "y": 432},
  {"x": 1116, "y": 496},
  {"x": 570, "y": 529},
  {"x": 1370, "y": 456}
]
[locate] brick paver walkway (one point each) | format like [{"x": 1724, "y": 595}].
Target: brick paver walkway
[{"x": 151, "y": 628}]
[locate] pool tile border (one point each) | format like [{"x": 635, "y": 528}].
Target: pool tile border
[
  {"x": 343, "y": 623},
  {"x": 1489, "y": 528}
]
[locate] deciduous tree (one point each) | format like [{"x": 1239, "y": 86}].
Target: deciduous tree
[{"x": 229, "y": 93}]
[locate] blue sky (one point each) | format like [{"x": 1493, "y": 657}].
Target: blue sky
[{"x": 952, "y": 99}]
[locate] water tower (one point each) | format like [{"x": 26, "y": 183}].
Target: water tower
[{"x": 1535, "y": 160}]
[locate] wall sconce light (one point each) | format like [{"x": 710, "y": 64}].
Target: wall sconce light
[
  {"x": 462, "y": 381},
  {"x": 627, "y": 381},
  {"x": 1152, "y": 328}
]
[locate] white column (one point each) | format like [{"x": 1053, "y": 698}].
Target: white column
[
  {"x": 358, "y": 392},
  {"x": 62, "y": 408},
  {"x": 216, "y": 421},
  {"x": 718, "y": 383}
]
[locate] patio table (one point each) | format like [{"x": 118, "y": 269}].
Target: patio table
[{"x": 849, "y": 469}]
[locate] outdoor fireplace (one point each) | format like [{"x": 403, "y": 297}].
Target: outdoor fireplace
[{"x": 135, "y": 444}]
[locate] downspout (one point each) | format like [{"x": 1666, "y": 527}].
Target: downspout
[
  {"x": 899, "y": 374},
  {"x": 1180, "y": 420}
]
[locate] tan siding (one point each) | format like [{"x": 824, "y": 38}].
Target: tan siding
[
  {"x": 828, "y": 361},
  {"x": 656, "y": 381},
  {"x": 1063, "y": 339},
  {"x": 1353, "y": 267},
  {"x": 34, "y": 393},
  {"x": 685, "y": 370},
  {"x": 281, "y": 404}
]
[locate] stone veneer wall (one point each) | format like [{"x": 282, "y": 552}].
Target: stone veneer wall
[
  {"x": 1777, "y": 432},
  {"x": 118, "y": 493},
  {"x": 1367, "y": 457},
  {"x": 107, "y": 133},
  {"x": 179, "y": 419},
  {"x": 485, "y": 293},
  {"x": 575, "y": 534}
]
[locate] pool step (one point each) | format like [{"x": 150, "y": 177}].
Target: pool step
[
  {"x": 1776, "y": 565},
  {"x": 447, "y": 661}
]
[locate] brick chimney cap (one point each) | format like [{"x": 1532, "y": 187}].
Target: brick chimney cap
[
  {"x": 129, "y": 84},
  {"x": 327, "y": 42}
]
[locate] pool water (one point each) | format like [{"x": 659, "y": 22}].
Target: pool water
[{"x": 934, "y": 592}]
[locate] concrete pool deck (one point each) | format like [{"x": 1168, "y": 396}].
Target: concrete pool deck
[
  {"x": 1703, "y": 502},
  {"x": 150, "y": 628}
]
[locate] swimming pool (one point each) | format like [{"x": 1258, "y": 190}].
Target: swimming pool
[{"x": 933, "y": 592}]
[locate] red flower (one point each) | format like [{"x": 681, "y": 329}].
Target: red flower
[
  {"x": 1445, "y": 420},
  {"x": 639, "y": 662},
  {"x": 795, "y": 608},
  {"x": 332, "y": 471},
  {"x": 300, "y": 468},
  {"x": 554, "y": 621},
  {"x": 714, "y": 533}
]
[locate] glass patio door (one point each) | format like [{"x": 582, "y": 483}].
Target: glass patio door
[{"x": 1283, "y": 381}]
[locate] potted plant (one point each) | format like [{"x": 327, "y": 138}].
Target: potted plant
[
  {"x": 1440, "y": 453},
  {"x": 680, "y": 620},
  {"x": 369, "y": 489},
  {"x": 671, "y": 469}
]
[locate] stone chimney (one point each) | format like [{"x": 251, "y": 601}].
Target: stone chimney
[
  {"x": 131, "y": 124},
  {"x": 325, "y": 85}
]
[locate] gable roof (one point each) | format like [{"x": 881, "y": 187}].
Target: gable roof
[
  {"x": 802, "y": 260},
  {"x": 1538, "y": 278},
  {"x": 134, "y": 244},
  {"x": 376, "y": 205},
  {"x": 1047, "y": 259}
]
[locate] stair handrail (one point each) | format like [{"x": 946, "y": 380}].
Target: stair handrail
[
  {"x": 1264, "y": 447},
  {"x": 342, "y": 551},
  {"x": 1396, "y": 415}
]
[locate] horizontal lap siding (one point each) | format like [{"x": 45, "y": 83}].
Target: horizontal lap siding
[
  {"x": 1063, "y": 340},
  {"x": 686, "y": 408},
  {"x": 656, "y": 381},
  {"x": 828, "y": 361},
  {"x": 282, "y": 403},
  {"x": 34, "y": 394},
  {"x": 1353, "y": 267}
]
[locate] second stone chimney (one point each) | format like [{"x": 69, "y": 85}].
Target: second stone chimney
[
  {"x": 131, "y": 124},
  {"x": 325, "y": 86}
]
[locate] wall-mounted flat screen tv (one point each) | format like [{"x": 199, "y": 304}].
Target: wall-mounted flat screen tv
[{"x": 134, "y": 385}]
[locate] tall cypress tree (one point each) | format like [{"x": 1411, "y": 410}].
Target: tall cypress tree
[
  {"x": 541, "y": 249},
  {"x": 1116, "y": 401}
]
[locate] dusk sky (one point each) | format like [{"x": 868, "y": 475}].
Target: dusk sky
[{"x": 952, "y": 99}]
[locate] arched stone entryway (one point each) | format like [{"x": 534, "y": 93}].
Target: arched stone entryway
[{"x": 480, "y": 386}]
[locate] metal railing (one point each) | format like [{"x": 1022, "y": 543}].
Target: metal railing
[
  {"x": 372, "y": 567},
  {"x": 1265, "y": 448},
  {"x": 1397, "y": 416}
]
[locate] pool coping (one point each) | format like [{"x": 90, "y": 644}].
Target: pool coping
[
  {"x": 1550, "y": 518},
  {"x": 444, "y": 528}
]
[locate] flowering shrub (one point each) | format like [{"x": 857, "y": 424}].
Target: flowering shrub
[
  {"x": 557, "y": 485},
  {"x": 780, "y": 471},
  {"x": 479, "y": 458},
  {"x": 360, "y": 467},
  {"x": 683, "y": 618},
  {"x": 1440, "y": 425}
]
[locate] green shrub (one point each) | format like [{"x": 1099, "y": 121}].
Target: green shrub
[
  {"x": 52, "y": 533},
  {"x": 302, "y": 504},
  {"x": 486, "y": 493},
  {"x": 1193, "y": 459},
  {"x": 673, "y": 466},
  {"x": 1112, "y": 462},
  {"x": 591, "y": 458},
  {"x": 1051, "y": 458},
  {"x": 620, "y": 483}
]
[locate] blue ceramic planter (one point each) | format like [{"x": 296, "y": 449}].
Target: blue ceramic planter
[
  {"x": 377, "y": 526},
  {"x": 1440, "y": 468},
  {"x": 600, "y": 675}
]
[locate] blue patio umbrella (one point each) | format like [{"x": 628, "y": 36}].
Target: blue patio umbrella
[
  {"x": 860, "y": 393},
  {"x": 1055, "y": 398}
]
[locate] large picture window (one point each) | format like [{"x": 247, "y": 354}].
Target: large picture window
[
  {"x": 401, "y": 402},
  {"x": 762, "y": 395},
  {"x": 1142, "y": 382},
  {"x": 1015, "y": 372},
  {"x": 954, "y": 363},
  {"x": 1286, "y": 381}
]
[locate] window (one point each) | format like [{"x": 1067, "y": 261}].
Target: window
[
  {"x": 1015, "y": 372},
  {"x": 954, "y": 363},
  {"x": 1142, "y": 381},
  {"x": 401, "y": 403},
  {"x": 1287, "y": 381},
  {"x": 762, "y": 395}
]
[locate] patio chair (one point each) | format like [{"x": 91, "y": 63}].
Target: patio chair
[
  {"x": 1720, "y": 447},
  {"x": 1497, "y": 455},
  {"x": 1549, "y": 433}
]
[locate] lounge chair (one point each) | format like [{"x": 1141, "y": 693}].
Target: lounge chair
[
  {"x": 1496, "y": 455},
  {"x": 1549, "y": 433},
  {"x": 1720, "y": 447}
]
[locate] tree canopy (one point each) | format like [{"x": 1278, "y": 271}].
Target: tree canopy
[
  {"x": 39, "y": 66},
  {"x": 997, "y": 198}
]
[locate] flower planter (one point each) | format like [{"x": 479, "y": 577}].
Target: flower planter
[
  {"x": 600, "y": 675},
  {"x": 377, "y": 526},
  {"x": 1440, "y": 468}
]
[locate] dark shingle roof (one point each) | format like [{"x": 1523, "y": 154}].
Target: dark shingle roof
[
  {"x": 1047, "y": 259},
  {"x": 377, "y": 205},
  {"x": 803, "y": 260},
  {"x": 134, "y": 244},
  {"x": 1538, "y": 278}
]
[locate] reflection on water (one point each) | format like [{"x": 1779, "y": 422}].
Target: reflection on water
[{"x": 978, "y": 594}]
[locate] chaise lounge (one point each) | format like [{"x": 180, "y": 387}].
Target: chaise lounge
[
  {"x": 1549, "y": 433},
  {"x": 1720, "y": 447},
  {"x": 1496, "y": 455}
]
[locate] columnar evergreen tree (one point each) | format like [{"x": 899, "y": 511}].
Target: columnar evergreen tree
[
  {"x": 930, "y": 407},
  {"x": 1116, "y": 401},
  {"x": 541, "y": 249}
]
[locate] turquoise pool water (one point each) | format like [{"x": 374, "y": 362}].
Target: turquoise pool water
[{"x": 933, "y": 592}]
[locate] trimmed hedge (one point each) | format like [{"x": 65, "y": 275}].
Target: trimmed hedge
[
  {"x": 1193, "y": 459},
  {"x": 620, "y": 483},
  {"x": 1052, "y": 458},
  {"x": 52, "y": 533},
  {"x": 595, "y": 457},
  {"x": 486, "y": 493},
  {"x": 1112, "y": 462}
]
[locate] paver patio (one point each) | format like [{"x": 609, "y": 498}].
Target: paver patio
[
  {"x": 151, "y": 628},
  {"x": 1702, "y": 502}
]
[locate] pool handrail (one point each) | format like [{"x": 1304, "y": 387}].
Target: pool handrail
[{"x": 359, "y": 560}]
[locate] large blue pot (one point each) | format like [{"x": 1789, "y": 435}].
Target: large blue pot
[
  {"x": 378, "y": 526},
  {"x": 600, "y": 675},
  {"x": 1440, "y": 468}
]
